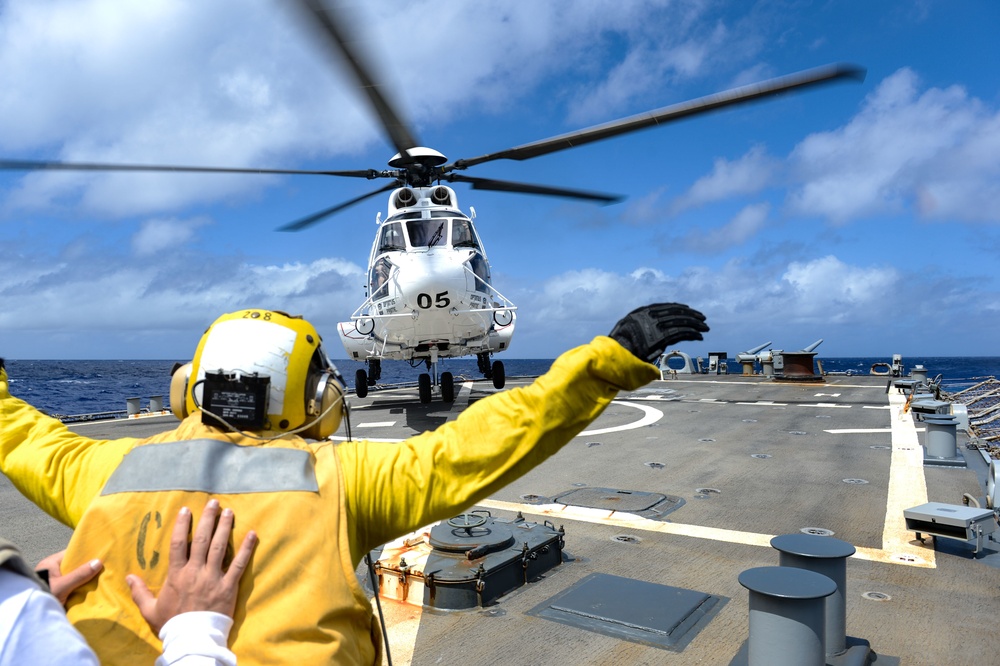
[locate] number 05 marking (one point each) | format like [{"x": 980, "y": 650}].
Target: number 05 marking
[{"x": 440, "y": 300}]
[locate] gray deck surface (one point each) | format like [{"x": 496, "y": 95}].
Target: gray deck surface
[{"x": 704, "y": 432}]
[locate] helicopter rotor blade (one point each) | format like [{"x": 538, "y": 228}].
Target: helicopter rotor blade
[
  {"x": 524, "y": 188},
  {"x": 309, "y": 220},
  {"x": 334, "y": 26},
  {"x": 809, "y": 77},
  {"x": 40, "y": 165}
]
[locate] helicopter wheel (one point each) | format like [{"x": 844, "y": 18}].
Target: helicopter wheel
[
  {"x": 499, "y": 378},
  {"x": 447, "y": 387},
  {"x": 424, "y": 387},
  {"x": 361, "y": 383},
  {"x": 374, "y": 371}
]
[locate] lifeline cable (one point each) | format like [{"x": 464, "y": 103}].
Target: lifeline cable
[{"x": 378, "y": 604}]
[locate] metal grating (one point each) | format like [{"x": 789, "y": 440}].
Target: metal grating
[{"x": 632, "y": 610}]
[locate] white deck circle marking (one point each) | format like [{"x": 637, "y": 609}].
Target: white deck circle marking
[{"x": 652, "y": 416}]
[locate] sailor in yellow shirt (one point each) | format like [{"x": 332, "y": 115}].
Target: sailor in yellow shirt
[{"x": 258, "y": 402}]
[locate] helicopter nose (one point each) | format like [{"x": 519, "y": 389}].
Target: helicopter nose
[{"x": 432, "y": 283}]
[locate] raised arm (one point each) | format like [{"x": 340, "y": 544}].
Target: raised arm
[
  {"x": 57, "y": 469},
  {"x": 392, "y": 489}
]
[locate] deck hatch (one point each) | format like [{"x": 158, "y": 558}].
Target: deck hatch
[
  {"x": 612, "y": 499},
  {"x": 632, "y": 610}
]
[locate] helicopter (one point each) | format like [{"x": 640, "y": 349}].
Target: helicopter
[
  {"x": 429, "y": 292},
  {"x": 429, "y": 284}
]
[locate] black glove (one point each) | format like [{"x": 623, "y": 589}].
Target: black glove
[{"x": 649, "y": 330}]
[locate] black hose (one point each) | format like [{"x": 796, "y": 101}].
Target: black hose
[{"x": 378, "y": 604}]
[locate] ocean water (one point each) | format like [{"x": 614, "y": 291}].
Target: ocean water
[{"x": 65, "y": 388}]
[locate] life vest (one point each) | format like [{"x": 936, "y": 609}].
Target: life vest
[{"x": 300, "y": 602}]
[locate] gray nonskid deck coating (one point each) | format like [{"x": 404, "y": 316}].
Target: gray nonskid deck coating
[{"x": 705, "y": 444}]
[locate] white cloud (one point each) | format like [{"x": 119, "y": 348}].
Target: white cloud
[
  {"x": 98, "y": 293},
  {"x": 649, "y": 66},
  {"x": 827, "y": 289},
  {"x": 747, "y": 175},
  {"x": 744, "y": 226},
  {"x": 237, "y": 82},
  {"x": 792, "y": 304},
  {"x": 935, "y": 152},
  {"x": 163, "y": 233}
]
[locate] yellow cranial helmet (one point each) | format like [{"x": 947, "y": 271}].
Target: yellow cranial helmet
[{"x": 261, "y": 370}]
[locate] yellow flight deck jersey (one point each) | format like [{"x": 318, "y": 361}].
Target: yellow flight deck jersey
[{"x": 317, "y": 507}]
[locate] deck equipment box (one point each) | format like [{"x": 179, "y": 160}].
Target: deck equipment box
[{"x": 964, "y": 523}]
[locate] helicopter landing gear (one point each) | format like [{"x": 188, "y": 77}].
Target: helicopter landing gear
[
  {"x": 494, "y": 371},
  {"x": 483, "y": 360},
  {"x": 424, "y": 387},
  {"x": 499, "y": 376},
  {"x": 362, "y": 379},
  {"x": 447, "y": 387},
  {"x": 361, "y": 383},
  {"x": 427, "y": 380}
]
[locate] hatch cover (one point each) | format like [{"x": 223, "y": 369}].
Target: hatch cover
[
  {"x": 650, "y": 505},
  {"x": 633, "y": 610}
]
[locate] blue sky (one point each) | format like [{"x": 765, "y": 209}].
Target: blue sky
[{"x": 864, "y": 214}]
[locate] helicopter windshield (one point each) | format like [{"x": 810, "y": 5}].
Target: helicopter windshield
[
  {"x": 426, "y": 233},
  {"x": 392, "y": 238}
]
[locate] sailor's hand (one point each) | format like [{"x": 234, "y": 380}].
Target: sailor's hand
[
  {"x": 62, "y": 585},
  {"x": 196, "y": 582},
  {"x": 649, "y": 330}
]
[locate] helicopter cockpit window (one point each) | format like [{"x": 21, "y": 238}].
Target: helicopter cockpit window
[
  {"x": 379, "y": 279},
  {"x": 392, "y": 238},
  {"x": 462, "y": 234},
  {"x": 481, "y": 270},
  {"x": 426, "y": 233}
]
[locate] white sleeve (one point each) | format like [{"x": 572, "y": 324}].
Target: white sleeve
[
  {"x": 196, "y": 639},
  {"x": 34, "y": 629}
]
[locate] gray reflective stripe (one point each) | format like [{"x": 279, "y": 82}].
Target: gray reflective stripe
[{"x": 212, "y": 466}]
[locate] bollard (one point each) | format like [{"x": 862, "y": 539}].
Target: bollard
[
  {"x": 155, "y": 404},
  {"x": 787, "y": 612},
  {"x": 132, "y": 406},
  {"x": 919, "y": 373},
  {"x": 961, "y": 412},
  {"x": 940, "y": 436},
  {"x": 827, "y": 556}
]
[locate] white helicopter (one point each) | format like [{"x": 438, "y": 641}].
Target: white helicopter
[
  {"x": 429, "y": 294},
  {"x": 429, "y": 291}
]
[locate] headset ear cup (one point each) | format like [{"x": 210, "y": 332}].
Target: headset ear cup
[
  {"x": 328, "y": 409},
  {"x": 178, "y": 391}
]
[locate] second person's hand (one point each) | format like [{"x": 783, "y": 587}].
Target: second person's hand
[{"x": 196, "y": 582}]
